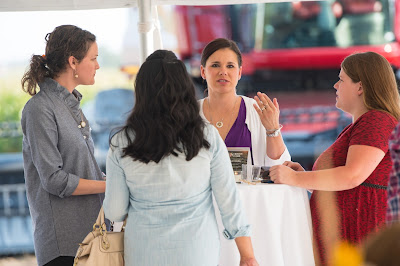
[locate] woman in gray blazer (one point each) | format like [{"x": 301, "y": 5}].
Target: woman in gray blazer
[{"x": 63, "y": 181}]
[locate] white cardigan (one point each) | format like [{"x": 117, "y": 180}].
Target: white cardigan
[{"x": 258, "y": 135}]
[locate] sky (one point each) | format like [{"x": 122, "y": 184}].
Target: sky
[{"x": 22, "y": 33}]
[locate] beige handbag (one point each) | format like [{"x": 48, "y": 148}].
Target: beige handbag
[{"x": 101, "y": 248}]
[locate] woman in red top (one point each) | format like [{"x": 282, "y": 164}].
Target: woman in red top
[{"x": 357, "y": 165}]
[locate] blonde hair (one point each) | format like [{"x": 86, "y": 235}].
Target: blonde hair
[{"x": 377, "y": 79}]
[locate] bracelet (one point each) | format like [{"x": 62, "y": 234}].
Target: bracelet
[{"x": 274, "y": 132}]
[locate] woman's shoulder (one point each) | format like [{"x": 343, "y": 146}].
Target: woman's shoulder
[
  {"x": 378, "y": 117},
  {"x": 38, "y": 103},
  {"x": 120, "y": 139},
  {"x": 249, "y": 103},
  {"x": 374, "y": 122},
  {"x": 248, "y": 100}
]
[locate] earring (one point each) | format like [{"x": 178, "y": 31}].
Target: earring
[{"x": 75, "y": 75}]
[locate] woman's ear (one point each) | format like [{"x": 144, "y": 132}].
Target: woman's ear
[
  {"x": 202, "y": 72},
  {"x": 72, "y": 62},
  {"x": 360, "y": 89}
]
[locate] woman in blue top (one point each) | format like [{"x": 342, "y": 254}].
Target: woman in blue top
[{"x": 163, "y": 167}]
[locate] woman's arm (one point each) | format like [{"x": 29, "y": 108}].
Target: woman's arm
[
  {"x": 116, "y": 201},
  {"x": 269, "y": 115},
  {"x": 275, "y": 147},
  {"x": 294, "y": 165},
  {"x": 245, "y": 248},
  {"x": 86, "y": 187},
  {"x": 361, "y": 162}
]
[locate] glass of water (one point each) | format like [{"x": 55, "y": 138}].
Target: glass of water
[{"x": 251, "y": 173}]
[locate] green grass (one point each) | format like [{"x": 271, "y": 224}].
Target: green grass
[{"x": 13, "y": 99}]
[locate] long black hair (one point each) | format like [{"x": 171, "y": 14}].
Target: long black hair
[
  {"x": 165, "y": 119},
  {"x": 63, "y": 42}
]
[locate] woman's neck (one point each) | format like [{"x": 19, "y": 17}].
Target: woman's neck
[
  {"x": 221, "y": 101},
  {"x": 358, "y": 113},
  {"x": 65, "y": 80}
]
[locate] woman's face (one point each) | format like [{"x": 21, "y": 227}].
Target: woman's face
[
  {"x": 86, "y": 69},
  {"x": 347, "y": 92},
  {"x": 222, "y": 71}
]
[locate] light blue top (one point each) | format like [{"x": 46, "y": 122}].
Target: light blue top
[{"x": 171, "y": 218}]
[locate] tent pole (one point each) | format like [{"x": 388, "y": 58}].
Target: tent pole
[{"x": 145, "y": 28}]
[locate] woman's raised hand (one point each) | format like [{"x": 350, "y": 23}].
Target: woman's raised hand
[{"x": 267, "y": 110}]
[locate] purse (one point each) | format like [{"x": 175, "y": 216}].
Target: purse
[{"x": 101, "y": 248}]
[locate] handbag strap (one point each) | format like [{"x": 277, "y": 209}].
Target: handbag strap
[{"x": 100, "y": 222}]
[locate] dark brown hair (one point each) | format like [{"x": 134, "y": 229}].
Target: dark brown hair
[
  {"x": 165, "y": 119},
  {"x": 218, "y": 44},
  {"x": 63, "y": 42}
]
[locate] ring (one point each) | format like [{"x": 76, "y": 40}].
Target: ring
[{"x": 262, "y": 108}]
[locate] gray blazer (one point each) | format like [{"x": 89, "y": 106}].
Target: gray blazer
[{"x": 56, "y": 155}]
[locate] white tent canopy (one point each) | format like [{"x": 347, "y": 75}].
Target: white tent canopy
[
  {"x": 43, "y": 5},
  {"x": 148, "y": 24}
]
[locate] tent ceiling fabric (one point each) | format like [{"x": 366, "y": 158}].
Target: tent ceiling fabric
[{"x": 46, "y": 5}]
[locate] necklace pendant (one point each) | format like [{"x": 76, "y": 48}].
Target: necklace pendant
[
  {"x": 83, "y": 124},
  {"x": 219, "y": 124}
]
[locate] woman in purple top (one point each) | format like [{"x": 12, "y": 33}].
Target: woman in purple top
[{"x": 241, "y": 121}]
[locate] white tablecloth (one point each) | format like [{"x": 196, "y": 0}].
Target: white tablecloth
[{"x": 281, "y": 226}]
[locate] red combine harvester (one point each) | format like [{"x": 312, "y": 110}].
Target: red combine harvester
[{"x": 292, "y": 45}]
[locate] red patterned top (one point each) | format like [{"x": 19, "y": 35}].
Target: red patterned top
[{"x": 363, "y": 208}]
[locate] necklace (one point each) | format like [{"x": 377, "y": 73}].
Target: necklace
[
  {"x": 219, "y": 124},
  {"x": 82, "y": 124}
]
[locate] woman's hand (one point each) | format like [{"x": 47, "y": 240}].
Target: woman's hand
[
  {"x": 285, "y": 173},
  {"x": 245, "y": 248},
  {"x": 248, "y": 262},
  {"x": 267, "y": 110},
  {"x": 282, "y": 174},
  {"x": 294, "y": 165}
]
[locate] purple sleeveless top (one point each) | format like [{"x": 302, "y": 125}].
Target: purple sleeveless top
[{"x": 239, "y": 135}]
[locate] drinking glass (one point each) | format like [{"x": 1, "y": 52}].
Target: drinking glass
[
  {"x": 244, "y": 172},
  {"x": 255, "y": 173},
  {"x": 251, "y": 173}
]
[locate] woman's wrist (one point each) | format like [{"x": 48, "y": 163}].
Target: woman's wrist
[
  {"x": 248, "y": 261},
  {"x": 274, "y": 132}
]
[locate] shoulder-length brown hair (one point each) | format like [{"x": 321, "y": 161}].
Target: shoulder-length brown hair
[
  {"x": 377, "y": 79},
  {"x": 64, "y": 41}
]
